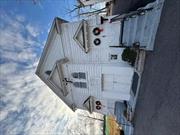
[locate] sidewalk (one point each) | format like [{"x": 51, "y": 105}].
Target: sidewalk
[{"x": 140, "y": 61}]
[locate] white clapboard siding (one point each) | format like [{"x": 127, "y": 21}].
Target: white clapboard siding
[
  {"x": 96, "y": 54},
  {"x": 55, "y": 52},
  {"x": 94, "y": 72}
]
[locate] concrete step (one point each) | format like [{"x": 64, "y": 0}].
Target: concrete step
[{"x": 142, "y": 27}]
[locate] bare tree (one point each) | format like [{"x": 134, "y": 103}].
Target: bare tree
[{"x": 83, "y": 10}]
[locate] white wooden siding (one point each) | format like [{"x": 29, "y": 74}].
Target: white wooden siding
[
  {"x": 97, "y": 54},
  {"x": 94, "y": 80},
  {"x": 55, "y": 52}
]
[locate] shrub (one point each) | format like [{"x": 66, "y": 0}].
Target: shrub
[{"x": 129, "y": 55}]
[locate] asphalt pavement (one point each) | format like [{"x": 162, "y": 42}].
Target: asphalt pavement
[
  {"x": 125, "y": 6},
  {"x": 158, "y": 105}
]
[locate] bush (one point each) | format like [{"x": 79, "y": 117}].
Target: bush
[{"x": 129, "y": 55}]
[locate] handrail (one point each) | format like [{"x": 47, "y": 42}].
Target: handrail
[{"x": 131, "y": 14}]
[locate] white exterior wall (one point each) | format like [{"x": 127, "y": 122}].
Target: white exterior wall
[
  {"x": 95, "y": 84},
  {"x": 97, "y": 54}
]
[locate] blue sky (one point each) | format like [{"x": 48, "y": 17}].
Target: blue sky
[{"x": 27, "y": 105}]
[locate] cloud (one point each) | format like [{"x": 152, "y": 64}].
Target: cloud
[
  {"x": 32, "y": 30},
  {"x": 20, "y": 18},
  {"x": 27, "y": 105},
  {"x": 16, "y": 44},
  {"x": 6, "y": 70}
]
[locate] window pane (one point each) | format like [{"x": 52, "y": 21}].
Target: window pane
[
  {"x": 82, "y": 75},
  {"x": 75, "y": 75},
  {"x": 79, "y": 75},
  {"x": 48, "y": 72},
  {"x": 76, "y": 84},
  {"x": 135, "y": 82},
  {"x": 114, "y": 57},
  {"x": 83, "y": 85},
  {"x": 80, "y": 84}
]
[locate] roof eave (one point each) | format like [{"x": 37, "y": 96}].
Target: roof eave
[{"x": 55, "y": 26}]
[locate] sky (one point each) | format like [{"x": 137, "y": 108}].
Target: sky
[{"x": 27, "y": 105}]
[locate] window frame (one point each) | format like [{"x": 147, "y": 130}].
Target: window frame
[
  {"x": 80, "y": 85},
  {"x": 79, "y": 75},
  {"x": 112, "y": 56}
]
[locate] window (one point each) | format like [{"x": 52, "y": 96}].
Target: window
[
  {"x": 79, "y": 75},
  {"x": 48, "y": 72},
  {"x": 114, "y": 57},
  {"x": 82, "y": 75},
  {"x": 135, "y": 83},
  {"x": 75, "y": 75},
  {"x": 80, "y": 84}
]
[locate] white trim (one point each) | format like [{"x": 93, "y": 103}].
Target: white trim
[
  {"x": 57, "y": 66},
  {"x": 82, "y": 25},
  {"x": 90, "y": 101},
  {"x": 55, "y": 27}
]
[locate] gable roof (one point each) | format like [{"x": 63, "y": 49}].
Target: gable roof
[
  {"x": 56, "y": 77},
  {"x": 55, "y": 27},
  {"x": 88, "y": 104},
  {"x": 59, "y": 89},
  {"x": 81, "y": 36}
]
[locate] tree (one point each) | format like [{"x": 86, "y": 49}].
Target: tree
[
  {"x": 83, "y": 10},
  {"x": 129, "y": 55}
]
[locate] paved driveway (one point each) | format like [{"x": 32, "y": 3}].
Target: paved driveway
[{"x": 158, "y": 106}]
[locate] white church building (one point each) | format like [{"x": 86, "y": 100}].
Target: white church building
[
  {"x": 79, "y": 65},
  {"x": 81, "y": 61}
]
